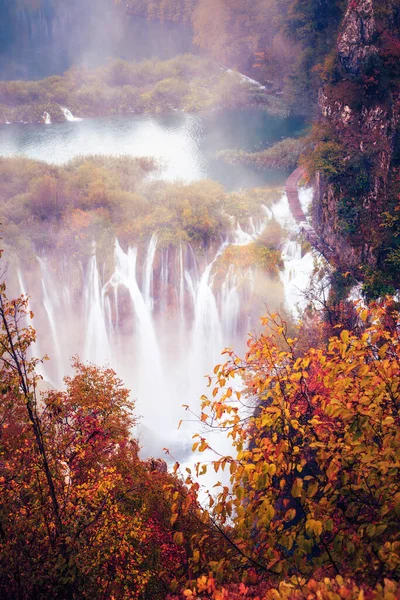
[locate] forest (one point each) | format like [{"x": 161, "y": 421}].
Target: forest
[{"x": 280, "y": 477}]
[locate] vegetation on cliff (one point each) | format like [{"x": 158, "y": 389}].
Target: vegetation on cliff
[{"x": 356, "y": 146}]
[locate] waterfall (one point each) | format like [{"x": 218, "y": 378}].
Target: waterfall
[
  {"x": 230, "y": 304},
  {"x": 69, "y": 116},
  {"x": 46, "y": 118},
  {"x": 207, "y": 329},
  {"x": 181, "y": 287},
  {"x": 161, "y": 317},
  {"x": 50, "y": 301},
  {"x": 148, "y": 271},
  {"x": 241, "y": 237},
  {"x": 143, "y": 357},
  {"x": 97, "y": 347},
  {"x": 297, "y": 267},
  {"x": 125, "y": 274}
]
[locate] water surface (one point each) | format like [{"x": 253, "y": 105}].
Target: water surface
[{"x": 185, "y": 144}]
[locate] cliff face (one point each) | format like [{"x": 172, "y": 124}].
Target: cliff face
[
  {"x": 356, "y": 39},
  {"x": 360, "y": 108}
]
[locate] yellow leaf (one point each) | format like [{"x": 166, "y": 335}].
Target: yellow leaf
[
  {"x": 297, "y": 488},
  {"x": 178, "y": 538},
  {"x": 313, "y": 527},
  {"x": 344, "y": 336}
]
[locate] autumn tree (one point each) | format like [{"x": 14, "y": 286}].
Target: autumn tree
[{"x": 81, "y": 515}]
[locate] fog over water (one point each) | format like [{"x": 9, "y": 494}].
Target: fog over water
[{"x": 47, "y": 42}]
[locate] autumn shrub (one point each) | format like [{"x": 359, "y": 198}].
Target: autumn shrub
[
  {"x": 100, "y": 198},
  {"x": 187, "y": 82},
  {"x": 282, "y": 155},
  {"x": 322, "y": 588},
  {"x": 314, "y": 477}
]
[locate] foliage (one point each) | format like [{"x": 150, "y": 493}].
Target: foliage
[
  {"x": 255, "y": 254},
  {"x": 282, "y": 155},
  {"x": 102, "y": 198},
  {"x": 81, "y": 515},
  {"x": 183, "y": 83},
  {"x": 295, "y": 589},
  {"x": 314, "y": 480}
]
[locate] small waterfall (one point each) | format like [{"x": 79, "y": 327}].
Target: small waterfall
[
  {"x": 145, "y": 356},
  {"x": 241, "y": 238},
  {"x": 164, "y": 278},
  {"x": 296, "y": 274},
  {"x": 230, "y": 304},
  {"x": 181, "y": 287},
  {"x": 69, "y": 116},
  {"x": 148, "y": 271},
  {"x": 97, "y": 347},
  {"x": 46, "y": 118},
  {"x": 50, "y": 303},
  {"x": 207, "y": 330},
  {"x": 34, "y": 349}
]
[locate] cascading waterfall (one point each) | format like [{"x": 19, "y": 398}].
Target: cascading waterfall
[
  {"x": 68, "y": 115},
  {"x": 298, "y": 265},
  {"x": 97, "y": 347},
  {"x": 34, "y": 348},
  {"x": 160, "y": 318},
  {"x": 207, "y": 330},
  {"x": 50, "y": 304},
  {"x": 46, "y": 118},
  {"x": 148, "y": 271}
]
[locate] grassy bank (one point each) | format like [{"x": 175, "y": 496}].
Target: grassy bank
[
  {"x": 65, "y": 209},
  {"x": 283, "y": 155}
]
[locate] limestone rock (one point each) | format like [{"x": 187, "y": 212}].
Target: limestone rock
[{"x": 356, "y": 40}]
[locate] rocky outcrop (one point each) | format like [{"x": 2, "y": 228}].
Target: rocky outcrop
[
  {"x": 366, "y": 128},
  {"x": 356, "y": 40}
]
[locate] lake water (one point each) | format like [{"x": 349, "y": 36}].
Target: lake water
[{"x": 186, "y": 145}]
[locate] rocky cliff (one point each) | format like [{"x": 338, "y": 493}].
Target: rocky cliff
[{"x": 358, "y": 142}]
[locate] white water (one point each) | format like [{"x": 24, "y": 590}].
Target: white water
[
  {"x": 298, "y": 266},
  {"x": 69, "y": 116},
  {"x": 161, "y": 318},
  {"x": 47, "y": 119}
]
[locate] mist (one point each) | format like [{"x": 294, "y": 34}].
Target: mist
[
  {"x": 42, "y": 39},
  {"x": 155, "y": 303}
]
